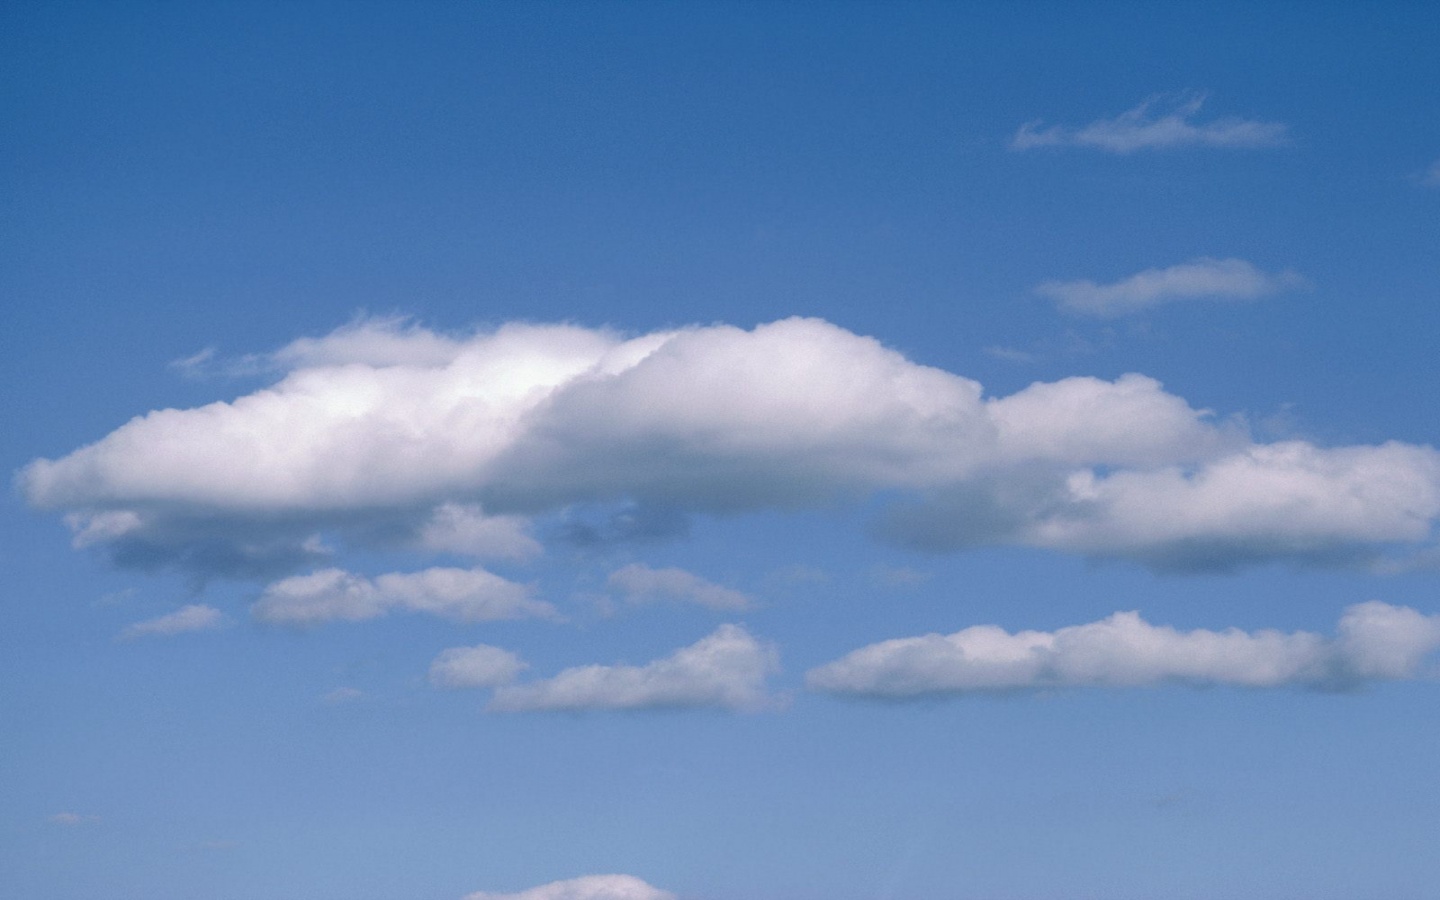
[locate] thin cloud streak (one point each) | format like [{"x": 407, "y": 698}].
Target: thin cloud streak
[
  {"x": 1199, "y": 279},
  {"x": 1150, "y": 126}
]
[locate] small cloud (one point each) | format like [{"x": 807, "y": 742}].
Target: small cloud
[
  {"x": 1199, "y": 279},
  {"x": 1154, "y": 126},
  {"x": 1010, "y": 354},
  {"x": 641, "y": 584},
  {"x": 897, "y": 576},
  {"x": 799, "y": 574},
  {"x": 194, "y": 617},
  {"x": 71, "y": 819},
  {"x": 480, "y": 666},
  {"x": 1431, "y": 178},
  {"x": 726, "y": 670},
  {"x": 587, "y": 887},
  {"x": 197, "y": 365},
  {"x": 342, "y": 695}
]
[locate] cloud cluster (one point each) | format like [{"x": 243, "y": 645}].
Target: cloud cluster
[
  {"x": 1374, "y": 641},
  {"x": 463, "y": 595},
  {"x": 726, "y": 670},
  {"x": 386, "y": 433},
  {"x": 1203, "y": 278},
  {"x": 588, "y": 887},
  {"x": 638, "y": 583},
  {"x": 195, "y": 617},
  {"x": 1152, "y": 126}
]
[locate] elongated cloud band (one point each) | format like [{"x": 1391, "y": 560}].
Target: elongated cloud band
[
  {"x": 1199, "y": 279},
  {"x": 1375, "y": 641},
  {"x": 195, "y": 617},
  {"x": 386, "y": 432},
  {"x": 1150, "y": 126},
  {"x": 725, "y": 670},
  {"x": 465, "y": 595},
  {"x": 588, "y": 887}
]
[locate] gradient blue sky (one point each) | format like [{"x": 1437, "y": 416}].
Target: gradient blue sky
[{"x": 1238, "y": 201}]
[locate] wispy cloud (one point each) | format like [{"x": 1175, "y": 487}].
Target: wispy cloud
[
  {"x": 480, "y": 666},
  {"x": 1374, "y": 642},
  {"x": 1431, "y": 178},
  {"x": 726, "y": 670},
  {"x": 1199, "y": 279},
  {"x": 194, "y": 617},
  {"x": 1155, "y": 125},
  {"x": 638, "y": 583},
  {"x": 466, "y": 595},
  {"x": 588, "y": 887},
  {"x": 72, "y": 819}
]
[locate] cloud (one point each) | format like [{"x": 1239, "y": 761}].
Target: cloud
[
  {"x": 480, "y": 666},
  {"x": 1374, "y": 641},
  {"x": 1198, "y": 279},
  {"x": 1431, "y": 178},
  {"x": 386, "y": 434},
  {"x": 1147, "y": 127},
  {"x": 641, "y": 584},
  {"x": 72, "y": 819},
  {"x": 342, "y": 695},
  {"x": 588, "y": 887},
  {"x": 194, "y": 617},
  {"x": 463, "y": 595},
  {"x": 726, "y": 670}
]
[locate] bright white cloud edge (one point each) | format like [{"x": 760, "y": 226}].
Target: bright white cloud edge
[
  {"x": 1153, "y": 126},
  {"x": 1374, "y": 642},
  {"x": 587, "y": 887},
  {"x": 724, "y": 670},
  {"x": 1199, "y": 279}
]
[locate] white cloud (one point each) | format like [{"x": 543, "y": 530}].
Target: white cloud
[
  {"x": 464, "y": 595},
  {"x": 1198, "y": 279},
  {"x": 641, "y": 584},
  {"x": 72, "y": 819},
  {"x": 727, "y": 669},
  {"x": 588, "y": 887},
  {"x": 1375, "y": 641},
  {"x": 194, "y": 617},
  {"x": 384, "y": 432},
  {"x": 1147, "y": 127},
  {"x": 480, "y": 666}
]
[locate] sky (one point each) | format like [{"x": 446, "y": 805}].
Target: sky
[{"x": 719, "y": 451}]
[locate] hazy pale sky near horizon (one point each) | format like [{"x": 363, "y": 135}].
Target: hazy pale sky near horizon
[{"x": 629, "y": 451}]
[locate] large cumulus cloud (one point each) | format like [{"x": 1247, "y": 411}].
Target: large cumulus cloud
[{"x": 387, "y": 432}]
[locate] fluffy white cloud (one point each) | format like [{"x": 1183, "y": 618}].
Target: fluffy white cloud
[
  {"x": 639, "y": 583},
  {"x": 726, "y": 669},
  {"x": 475, "y": 667},
  {"x": 194, "y": 617},
  {"x": 1374, "y": 641},
  {"x": 1203, "y": 278},
  {"x": 385, "y": 433},
  {"x": 465, "y": 595},
  {"x": 1147, "y": 127},
  {"x": 588, "y": 887}
]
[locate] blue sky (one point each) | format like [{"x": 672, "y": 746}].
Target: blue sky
[{"x": 719, "y": 451}]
